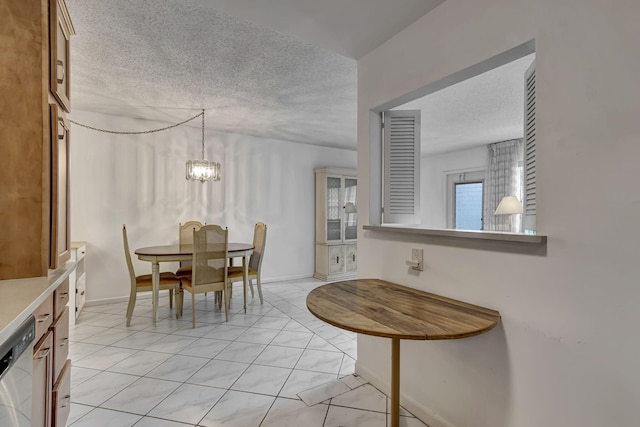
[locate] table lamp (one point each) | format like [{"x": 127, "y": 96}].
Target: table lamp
[{"x": 509, "y": 205}]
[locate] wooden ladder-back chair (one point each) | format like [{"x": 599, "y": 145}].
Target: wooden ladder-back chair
[
  {"x": 168, "y": 281},
  {"x": 209, "y": 265},
  {"x": 255, "y": 261},
  {"x": 185, "y": 237}
]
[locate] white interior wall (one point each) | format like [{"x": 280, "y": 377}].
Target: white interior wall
[
  {"x": 139, "y": 180},
  {"x": 434, "y": 169},
  {"x": 565, "y": 352}
]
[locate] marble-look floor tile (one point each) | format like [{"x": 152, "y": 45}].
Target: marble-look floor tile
[
  {"x": 241, "y": 352},
  {"x": 242, "y": 319},
  {"x": 158, "y": 422},
  {"x": 300, "y": 381},
  {"x": 258, "y": 335},
  {"x": 407, "y": 421},
  {"x": 205, "y": 347},
  {"x": 167, "y": 326},
  {"x": 139, "y": 340},
  {"x": 108, "y": 336},
  {"x": 272, "y": 322},
  {"x": 141, "y": 396},
  {"x": 320, "y": 361},
  {"x": 282, "y": 357},
  {"x": 188, "y": 404},
  {"x": 262, "y": 379},
  {"x": 105, "y": 358},
  {"x": 295, "y": 326},
  {"x": 106, "y": 418},
  {"x": 80, "y": 375},
  {"x": 78, "y": 411},
  {"x": 199, "y": 331},
  {"x": 292, "y": 339},
  {"x": 177, "y": 368},
  {"x": 293, "y": 413},
  {"x": 78, "y": 333},
  {"x": 366, "y": 397},
  {"x": 104, "y": 320},
  {"x": 318, "y": 343},
  {"x": 171, "y": 344},
  {"x": 78, "y": 350},
  {"x": 226, "y": 332},
  {"x": 348, "y": 417},
  {"x": 348, "y": 366},
  {"x": 238, "y": 409},
  {"x": 218, "y": 373},
  {"x": 101, "y": 387},
  {"x": 323, "y": 392}
]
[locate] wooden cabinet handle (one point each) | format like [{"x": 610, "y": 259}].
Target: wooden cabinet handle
[
  {"x": 60, "y": 79},
  {"x": 337, "y": 260},
  {"x": 354, "y": 257},
  {"x": 43, "y": 318},
  {"x": 43, "y": 353},
  {"x": 64, "y": 342},
  {"x": 64, "y": 294},
  {"x": 82, "y": 293}
]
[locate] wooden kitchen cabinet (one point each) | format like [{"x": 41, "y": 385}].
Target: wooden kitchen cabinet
[
  {"x": 42, "y": 382},
  {"x": 31, "y": 240},
  {"x": 51, "y": 366}
]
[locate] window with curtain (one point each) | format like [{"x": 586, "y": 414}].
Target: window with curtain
[{"x": 503, "y": 178}]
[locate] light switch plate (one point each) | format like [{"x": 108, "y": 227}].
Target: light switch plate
[{"x": 417, "y": 256}]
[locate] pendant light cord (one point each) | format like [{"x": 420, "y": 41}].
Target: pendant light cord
[{"x": 147, "y": 131}]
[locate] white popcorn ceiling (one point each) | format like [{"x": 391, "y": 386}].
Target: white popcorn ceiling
[{"x": 281, "y": 69}]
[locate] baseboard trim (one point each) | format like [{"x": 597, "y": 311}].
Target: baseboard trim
[{"x": 421, "y": 412}]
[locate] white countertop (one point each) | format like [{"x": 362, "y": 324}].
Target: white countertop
[{"x": 20, "y": 297}]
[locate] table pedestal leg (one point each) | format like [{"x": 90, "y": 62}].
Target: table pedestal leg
[
  {"x": 155, "y": 285},
  {"x": 245, "y": 273},
  {"x": 395, "y": 382}
]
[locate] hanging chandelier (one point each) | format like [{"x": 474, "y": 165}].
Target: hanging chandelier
[{"x": 203, "y": 170}]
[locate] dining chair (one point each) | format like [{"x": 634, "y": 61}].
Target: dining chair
[
  {"x": 209, "y": 266},
  {"x": 143, "y": 283},
  {"x": 255, "y": 261},
  {"x": 185, "y": 237}
]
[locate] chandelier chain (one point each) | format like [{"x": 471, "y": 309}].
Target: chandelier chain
[{"x": 146, "y": 131}]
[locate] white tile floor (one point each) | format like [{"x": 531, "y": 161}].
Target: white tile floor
[{"x": 243, "y": 373}]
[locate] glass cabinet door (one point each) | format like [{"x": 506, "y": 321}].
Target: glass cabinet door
[
  {"x": 350, "y": 210},
  {"x": 334, "y": 225}
]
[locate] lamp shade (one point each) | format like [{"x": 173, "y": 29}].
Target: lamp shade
[
  {"x": 509, "y": 205},
  {"x": 350, "y": 208}
]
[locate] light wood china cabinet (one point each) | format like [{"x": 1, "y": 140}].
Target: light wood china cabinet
[
  {"x": 336, "y": 223},
  {"x": 34, "y": 137}
]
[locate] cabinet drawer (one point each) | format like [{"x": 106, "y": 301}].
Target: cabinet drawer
[
  {"x": 41, "y": 396},
  {"x": 60, "y": 330},
  {"x": 61, "y": 397},
  {"x": 44, "y": 317},
  {"x": 81, "y": 252},
  {"x": 61, "y": 298}
]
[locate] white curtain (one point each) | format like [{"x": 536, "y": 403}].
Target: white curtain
[{"x": 503, "y": 178}]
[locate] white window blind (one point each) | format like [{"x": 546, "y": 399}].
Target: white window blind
[
  {"x": 401, "y": 196},
  {"x": 529, "y": 217}
]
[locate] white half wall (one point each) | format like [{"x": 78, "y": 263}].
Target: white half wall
[
  {"x": 139, "y": 180},
  {"x": 565, "y": 353}
]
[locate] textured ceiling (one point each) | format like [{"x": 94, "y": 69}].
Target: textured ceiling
[
  {"x": 483, "y": 109},
  {"x": 282, "y": 69}
]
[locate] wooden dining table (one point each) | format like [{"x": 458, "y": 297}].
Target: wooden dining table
[
  {"x": 384, "y": 309},
  {"x": 177, "y": 252}
]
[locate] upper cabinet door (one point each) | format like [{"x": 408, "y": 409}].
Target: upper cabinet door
[
  {"x": 60, "y": 231},
  {"x": 60, "y": 30}
]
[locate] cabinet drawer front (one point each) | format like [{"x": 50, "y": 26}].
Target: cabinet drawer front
[
  {"x": 41, "y": 396},
  {"x": 81, "y": 252},
  {"x": 44, "y": 317},
  {"x": 61, "y": 298},
  {"x": 61, "y": 397},
  {"x": 60, "y": 342}
]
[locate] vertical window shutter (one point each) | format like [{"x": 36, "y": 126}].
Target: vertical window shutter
[
  {"x": 401, "y": 196},
  {"x": 530, "y": 149}
]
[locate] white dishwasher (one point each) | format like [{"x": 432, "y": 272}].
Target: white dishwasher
[{"x": 16, "y": 380}]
